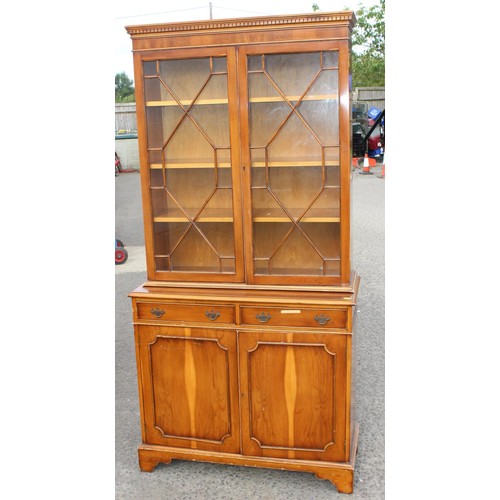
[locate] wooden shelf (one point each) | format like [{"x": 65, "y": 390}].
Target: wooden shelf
[
  {"x": 282, "y": 271},
  {"x": 204, "y": 163},
  {"x": 296, "y": 162},
  {"x": 263, "y": 99},
  {"x": 258, "y": 164},
  {"x": 186, "y": 102},
  {"x": 291, "y": 98},
  {"x": 261, "y": 215},
  {"x": 208, "y": 215},
  {"x": 313, "y": 215}
]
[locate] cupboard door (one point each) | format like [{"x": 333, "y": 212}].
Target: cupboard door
[
  {"x": 191, "y": 153},
  {"x": 189, "y": 387},
  {"x": 293, "y": 395},
  {"x": 293, "y": 149}
]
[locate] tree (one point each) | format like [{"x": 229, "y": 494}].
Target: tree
[
  {"x": 368, "y": 40},
  {"x": 124, "y": 88}
]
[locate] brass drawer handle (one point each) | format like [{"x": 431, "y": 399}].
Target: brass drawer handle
[
  {"x": 212, "y": 315},
  {"x": 322, "y": 320},
  {"x": 157, "y": 312},
  {"x": 263, "y": 317}
]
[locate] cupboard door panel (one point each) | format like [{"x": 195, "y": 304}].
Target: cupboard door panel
[
  {"x": 189, "y": 380},
  {"x": 293, "y": 396}
]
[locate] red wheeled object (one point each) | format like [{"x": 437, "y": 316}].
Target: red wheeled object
[{"x": 121, "y": 255}]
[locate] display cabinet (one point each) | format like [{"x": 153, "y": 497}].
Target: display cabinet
[{"x": 244, "y": 329}]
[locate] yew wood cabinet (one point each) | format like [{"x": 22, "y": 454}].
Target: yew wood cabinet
[{"x": 244, "y": 330}]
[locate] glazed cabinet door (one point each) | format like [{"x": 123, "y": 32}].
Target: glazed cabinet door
[
  {"x": 296, "y": 154},
  {"x": 293, "y": 395},
  {"x": 187, "y": 105},
  {"x": 189, "y": 387}
]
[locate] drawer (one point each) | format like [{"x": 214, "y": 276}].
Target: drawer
[
  {"x": 277, "y": 316},
  {"x": 185, "y": 313}
]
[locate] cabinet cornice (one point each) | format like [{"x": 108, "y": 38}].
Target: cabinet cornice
[{"x": 214, "y": 25}]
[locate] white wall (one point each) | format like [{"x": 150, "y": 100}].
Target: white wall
[{"x": 128, "y": 151}]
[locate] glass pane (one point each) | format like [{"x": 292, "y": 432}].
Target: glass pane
[
  {"x": 172, "y": 118},
  {"x": 191, "y": 192},
  {"x": 220, "y": 237},
  {"x": 332, "y": 156},
  {"x": 218, "y": 207},
  {"x": 149, "y": 68},
  {"x": 326, "y": 238},
  {"x": 219, "y": 65},
  {"x": 255, "y": 63},
  {"x": 154, "y": 126},
  {"x": 224, "y": 178},
  {"x": 293, "y": 73},
  {"x": 330, "y": 59},
  {"x": 297, "y": 256},
  {"x": 185, "y": 77},
  {"x": 194, "y": 252},
  {"x": 155, "y": 158},
  {"x": 326, "y": 132},
  {"x": 268, "y": 237},
  {"x": 152, "y": 89},
  {"x": 157, "y": 179},
  {"x": 206, "y": 247},
  {"x": 188, "y": 144},
  {"x": 166, "y": 237},
  {"x": 228, "y": 265},
  {"x": 266, "y": 206},
  {"x": 295, "y": 188},
  {"x": 266, "y": 119},
  {"x": 213, "y": 123},
  {"x": 294, "y": 142}
]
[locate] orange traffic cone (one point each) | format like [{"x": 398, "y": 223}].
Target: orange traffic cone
[{"x": 366, "y": 165}]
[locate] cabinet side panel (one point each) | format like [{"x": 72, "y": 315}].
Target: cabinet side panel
[
  {"x": 144, "y": 162},
  {"x": 345, "y": 161}
]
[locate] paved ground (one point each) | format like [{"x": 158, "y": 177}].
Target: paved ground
[{"x": 190, "y": 480}]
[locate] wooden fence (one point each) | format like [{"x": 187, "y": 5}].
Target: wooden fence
[
  {"x": 125, "y": 118},
  {"x": 373, "y": 96}
]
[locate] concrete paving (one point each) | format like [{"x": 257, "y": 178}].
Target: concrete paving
[{"x": 197, "y": 480}]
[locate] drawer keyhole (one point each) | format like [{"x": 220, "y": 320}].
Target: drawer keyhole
[
  {"x": 157, "y": 312},
  {"x": 263, "y": 317},
  {"x": 212, "y": 315},
  {"x": 322, "y": 320}
]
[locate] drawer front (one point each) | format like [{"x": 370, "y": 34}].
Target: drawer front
[
  {"x": 185, "y": 313},
  {"x": 276, "y": 316}
]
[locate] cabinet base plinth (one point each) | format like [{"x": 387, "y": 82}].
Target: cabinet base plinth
[{"x": 340, "y": 474}]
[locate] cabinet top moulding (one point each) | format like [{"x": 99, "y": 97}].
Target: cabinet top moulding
[{"x": 344, "y": 18}]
